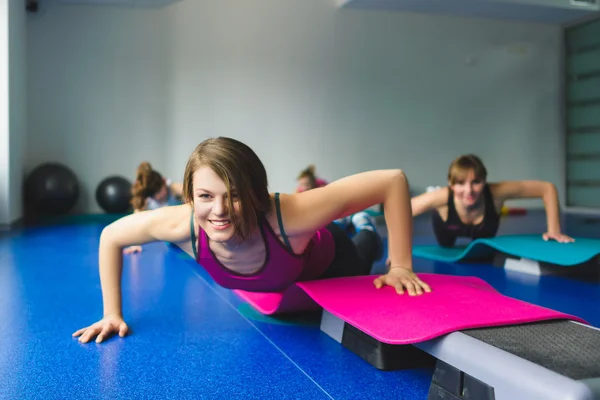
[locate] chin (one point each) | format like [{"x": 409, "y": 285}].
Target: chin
[
  {"x": 219, "y": 235},
  {"x": 221, "y": 238}
]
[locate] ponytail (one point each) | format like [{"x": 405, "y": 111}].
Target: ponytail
[{"x": 147, "y": 183}]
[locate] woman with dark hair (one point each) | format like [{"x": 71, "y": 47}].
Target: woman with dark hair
[{"x": 470, "y": 206}]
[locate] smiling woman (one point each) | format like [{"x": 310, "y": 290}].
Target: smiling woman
[
  {"x": 218, "y": 174},
  {"x": 470, "y": 206},
  {"x": 247, "y": 238}
]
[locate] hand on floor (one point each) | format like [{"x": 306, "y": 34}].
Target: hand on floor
[
  {"x": 559, "y": 237},
  {"x": 400, "y": 278},
  {"x": 103, "y": 329}
]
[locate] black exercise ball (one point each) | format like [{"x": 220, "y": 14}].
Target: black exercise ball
[
  {"x": 113, "y": 194},
  {"x": 51, "y": 189}
]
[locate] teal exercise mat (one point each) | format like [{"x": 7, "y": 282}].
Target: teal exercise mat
[{"x": 532, "y": 247}]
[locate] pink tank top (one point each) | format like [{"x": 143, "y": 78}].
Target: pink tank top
[{"x": 281, "y": 267}]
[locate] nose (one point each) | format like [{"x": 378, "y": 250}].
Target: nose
[{"x": 219, "y": 207}]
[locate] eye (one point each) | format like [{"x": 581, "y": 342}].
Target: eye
[
  {"x": 204, "y": 196},
  {"x": 476, "y": 182}
]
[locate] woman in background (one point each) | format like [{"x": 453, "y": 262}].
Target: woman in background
[
  {"x": 308, "y": 180},
  {"x": 151, "y": 191},
  {"x": 470, "y": 206},
  {"x": 352, "y": 224}
]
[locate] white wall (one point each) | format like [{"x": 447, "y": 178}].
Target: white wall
[
  {"x": 97, "y": 86},
  {"x": 13, "y": 108},
  {"x": 18, "y": 103},
  {"x": 300, "y": 81}
]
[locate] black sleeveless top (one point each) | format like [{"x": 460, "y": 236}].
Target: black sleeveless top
[{"x": 488, "y": 227}]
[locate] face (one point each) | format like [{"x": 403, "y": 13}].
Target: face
[
  {"x": 468, "y": 191},
  {"x": 304, "y": 184},
  {"x": 162, "y": 194},
  {"x": 210, "y": 205}
]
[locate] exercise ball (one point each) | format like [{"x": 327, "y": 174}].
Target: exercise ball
[
  {"x": 51, "y": 189},
  {"x": 113, "y": 194}
]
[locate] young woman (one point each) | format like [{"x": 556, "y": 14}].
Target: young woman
[
  {"x": 151, "y": 191},
  {"x": 307, "y": 180},
  {"x": 470, "y": 206},
  {"x": 247, "y": 238}
]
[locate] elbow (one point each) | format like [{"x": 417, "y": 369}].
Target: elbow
[
  {"x": 550, "y": 189},
  {"x": 107, "y": 237},
  {"x": 549, "y": 194},
  {"x": 398, "y": 182},
  {"x": 398, "y": 178},
  {"x": 398, "y": 175}
]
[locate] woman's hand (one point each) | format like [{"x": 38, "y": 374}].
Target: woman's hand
[
  {"x": 400, "y": 278},
  {"x": 103, "y": 329},
  {"x": 559, "y": 237}
]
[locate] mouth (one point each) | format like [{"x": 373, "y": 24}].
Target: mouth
[{"x": 220, "y": 223}]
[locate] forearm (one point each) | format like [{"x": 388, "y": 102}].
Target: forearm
[
  {"x": 552, "y": 206},
  {"x": 111, "y": 265},
  {"x": 398, "y": 218}
]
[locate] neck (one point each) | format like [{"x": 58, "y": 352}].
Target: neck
[{"x": 236, "y": 244}]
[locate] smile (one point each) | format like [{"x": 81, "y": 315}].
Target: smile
[{"x": 219, "y": 222}]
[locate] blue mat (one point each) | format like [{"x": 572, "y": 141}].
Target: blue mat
[{"x": 532, "y": 247}]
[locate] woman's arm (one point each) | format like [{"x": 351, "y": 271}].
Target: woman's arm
[
  {"x": 508, "y": 190},
  {"x": 429, "y": 201},
  {"x": 306, "y": 212},
  {"x": 421, "y": 204},
  {"x": 163, "y": 224},
  {"x": 168, "y": 224}
]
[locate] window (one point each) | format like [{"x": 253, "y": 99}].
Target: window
[{"x": 583, "y": 114}]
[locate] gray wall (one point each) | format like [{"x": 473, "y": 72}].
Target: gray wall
[{"x": 300, "y": 81}]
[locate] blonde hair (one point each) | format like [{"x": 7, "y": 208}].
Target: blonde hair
[
  {"x": 461, "y": 166},
  {"x": 241, "y": 171}
]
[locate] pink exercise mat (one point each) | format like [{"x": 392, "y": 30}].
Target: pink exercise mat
[{"x": 455, "y": 303}]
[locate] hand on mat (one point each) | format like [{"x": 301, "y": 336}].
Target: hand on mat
[
  {"x": 559, "y": 237},
  {"x": 132, "y": 250},
  {"x": 103, "y": 329},
  {"x": 400, "y": 278}
]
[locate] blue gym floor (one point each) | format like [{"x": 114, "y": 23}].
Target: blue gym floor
[{"x": 192, "y": 339}]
